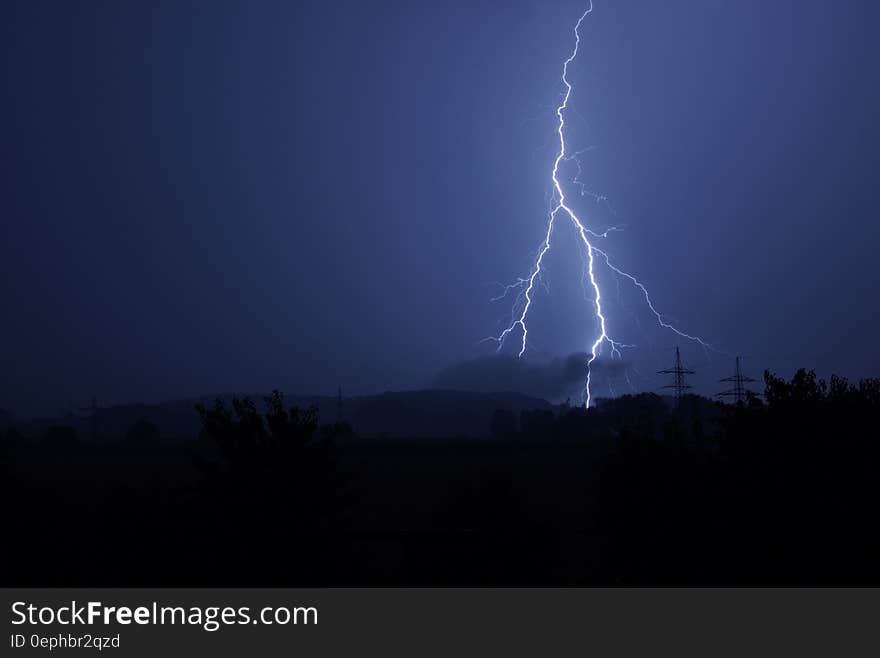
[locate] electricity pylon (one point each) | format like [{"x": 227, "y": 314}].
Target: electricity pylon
[
  {"x": 678, "y": 372},
  {"x": 739, "y": 390}
]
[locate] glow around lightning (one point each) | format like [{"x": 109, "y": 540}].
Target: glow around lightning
[{"x": 527, "y": 285}]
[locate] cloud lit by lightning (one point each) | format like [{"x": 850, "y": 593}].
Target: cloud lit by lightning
[{"x": 525, "y": 287}]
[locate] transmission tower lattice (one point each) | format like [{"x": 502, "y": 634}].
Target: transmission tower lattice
[
  {"x": 739, "y": 390},
  {"x": 678, "y": 372}
]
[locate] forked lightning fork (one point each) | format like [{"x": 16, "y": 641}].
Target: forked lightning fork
[{"x": 585, "y": 233}]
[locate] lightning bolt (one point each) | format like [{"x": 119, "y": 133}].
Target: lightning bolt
[{"x": 526, "y": 286}]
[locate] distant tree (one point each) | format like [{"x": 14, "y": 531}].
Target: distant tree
[
  {"x": 235, "y": 432},
  {"x": 805, "y": 390},
  {"x": 243, "y": 434},
  {"x": 278, "y": 478},
  {"x": 869, "y": 391},
  {"x": 143, "y": 431},
  {"x": 804, "y": 387},
  {"x": 289, "y": 429},
  {"x": 503, "y": 423}
]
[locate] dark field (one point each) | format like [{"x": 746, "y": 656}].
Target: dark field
[{"x": 404, "y": 512}]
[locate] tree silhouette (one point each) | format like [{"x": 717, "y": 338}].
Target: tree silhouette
[
  {"x": 244, "y": 434},
  {"x": 278, "y": 480}
]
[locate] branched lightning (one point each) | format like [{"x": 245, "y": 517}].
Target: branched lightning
[
  {"x": 525, "y": 287},
  {"x": 638, "y": 284}
]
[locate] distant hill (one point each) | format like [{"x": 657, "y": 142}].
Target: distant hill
[{"x": 425, "y": 413}]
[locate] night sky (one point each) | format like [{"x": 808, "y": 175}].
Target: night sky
[{"x": 215, "y": 197}]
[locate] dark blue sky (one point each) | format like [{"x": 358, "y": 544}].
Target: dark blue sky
[{"x": 201, "y": 197}]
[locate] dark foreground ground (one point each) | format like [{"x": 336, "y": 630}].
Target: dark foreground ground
[
  {"x": 405, "y": 512},
  {"x": 778, "y": 493}
]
